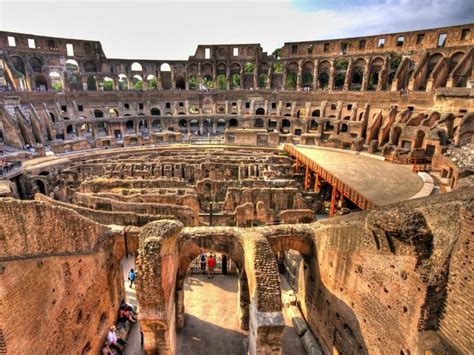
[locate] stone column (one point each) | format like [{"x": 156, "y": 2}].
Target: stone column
[
  {"x": 299, "y": 76},
  {"x": 347, "y": 78},
  {"x": 365, "y": 80},
  {"x": 331, "y": 76},
  {"x": 241, "y": 77},
  {"x": 268, "y": 84},
  {"x": 315, "y": 74}
]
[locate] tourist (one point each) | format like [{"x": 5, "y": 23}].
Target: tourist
[
  {"x": 114, "y": 340},
  {"x": 224, "y": 264},
  {"x": 106, "y": 349},
  {"x": 211, "y": 264},
  {"x": 126, "y": 315},
  {"x": 203, "y": 262},
  {"x": 131, "y": 277}
]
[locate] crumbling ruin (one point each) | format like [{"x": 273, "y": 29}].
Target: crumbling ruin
[{"x": 244, "y": 154}]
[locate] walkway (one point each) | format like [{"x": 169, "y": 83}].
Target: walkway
[
  {"x": 379, "y": 181},
  {"x": 211, "y": 321}
]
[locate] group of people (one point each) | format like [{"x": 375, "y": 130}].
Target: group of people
[
  {"x": 114, "y": 344},
  {"x": 209, "y": 263}
]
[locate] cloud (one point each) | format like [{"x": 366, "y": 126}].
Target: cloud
[{"x": 167, "y": 29}]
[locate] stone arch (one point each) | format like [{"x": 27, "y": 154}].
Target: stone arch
[
  {"x": 307, "y": 75},
  {"x": 180, "y": 83},
  {"x": 259, "y": 123},
  {"x": 155, "y": 111},
  {"x": 357, "y": 75},
  {"x": 376, "y": 67},
  {"x": 36, "y": 64},
  {"x": 165, "y": 247},
  {"x": 260, "y": 111},
  {"x": 90, "y": 67},
  {"x": 233, "y": 123},
  {"x": 41, "y": 83},
  {"x": 136, "y": 67},
  {"x": 324, "y": 72}
]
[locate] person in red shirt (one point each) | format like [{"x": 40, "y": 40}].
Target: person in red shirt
[{"x": 211, "y": 264}]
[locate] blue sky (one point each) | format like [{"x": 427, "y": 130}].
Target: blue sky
[{"x": 171, "y": 29}]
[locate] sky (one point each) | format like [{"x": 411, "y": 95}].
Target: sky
[{"x": 172, "y": 29}]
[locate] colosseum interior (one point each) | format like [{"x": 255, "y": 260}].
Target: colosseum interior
[{"x": 332, "y": 178}]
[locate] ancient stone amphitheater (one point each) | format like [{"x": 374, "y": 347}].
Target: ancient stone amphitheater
[{"x": 342, "y": 167}]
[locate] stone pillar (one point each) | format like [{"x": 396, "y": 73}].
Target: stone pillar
[
  {"x": 347, "y": 78},
  {"x": 331, "y": 76},
  {"x": 228, "y": 78},
  {"x": 299, "y": 76},
  {"x": 365, "y": 80},
  {"x": 285, "y": 73},
  {"x": 268, "y": 84},
  {"x": 159, "y": 81},
  {"x": 315, "y": 74},
  {"x": 173, "y": 82},
  {"x": 241, "y": 77}
]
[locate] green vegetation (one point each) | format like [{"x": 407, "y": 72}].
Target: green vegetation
[
  {"x": 291, "y": 81},
  {"x": 323, "y": 80},
  {"x": 278, "y": 67},
  {"x": 221, "y": 82},
  {"x": 235, "y": 83},
  {"x": 277, "y": 53},
  {"x": 108, "y": 85},
  {"x": 91, "y": 83},
  {"x": 339, "y": 80},
  {"x": 262, "y": 81},
  {"x": 307, "y": 79},
  {"x": 193, "y": 82},
  {"x": 207, "y": 82},
  {"x": 395, "y": 60},
  {"x": 138, "y": 85},
  {"x": 153, "y": 84},
  {"x": 249, "y": 68},
  {"x": 57, "y": 86},
  {"x": 341, "y": 64}
]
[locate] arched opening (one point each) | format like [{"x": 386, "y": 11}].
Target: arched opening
[
  {"x": 155, "y": 111},
  {"x": 194, "y": 125},
  {"x": 90, "y": 67},
  {"x": 183, "y": 125},
  {"x": 136, "y": 66},
  {"x": 55, "y": 79},
  {"x": 316, "y": 113},
  {"x": 307, "y": 76},
  {"x": 123, "y": 82},
  {"x": 137, "y": 82},
  {"x": 260, "y": 111},
  {"x": 233, "y": 123},
  {"x": 130, "y": 127},
  {"x": 376, "y": 67},
  {"x": 108, "y": 84},
  {"x": 165, "y": 70},
  {"x": 285, "y": 126},
  {"x": 113, "y": 112},
  {"x": 37, "y": 65},
  {"x": 357, "y": 75},
  {"x": 340, "y": 67},
  {"x": 313, "y": 125},
  {"x": 262, "y": 81},
  {"x": 235, "y": 76},
  {"x": 323, "y": 80},
  {"x": 41, "y": 83},
  {"x": 259, "y": 123},
  {"x": 156, "y": 126},
  {"x": 91, "y": 83},
  {"x": 98, "y": 113},
  {"x": 41, "y": 187},
  {"x": 344, "y": 128},
  {"x": 291, "y": 76},
  {"x": 180, "y": 83},
  {"x": 152, "y": 82},
  {"x": 323, "y": 76},
  {"x": 101, "y": 129},
  {"x": 220, "y": 126}
]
